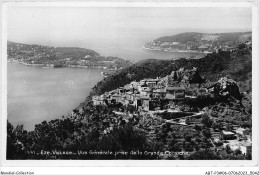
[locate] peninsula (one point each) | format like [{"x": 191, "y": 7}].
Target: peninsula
[
  {"x": 199, "y": 42},
  {"x": 55, "y": 57}
]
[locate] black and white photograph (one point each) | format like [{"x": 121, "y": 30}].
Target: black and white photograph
[{"x": 128, "y": 83}]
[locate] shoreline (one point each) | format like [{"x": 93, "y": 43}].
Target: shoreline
[
  {"x": 177, "y": 51},
  {"x": 69, "y": 66}
]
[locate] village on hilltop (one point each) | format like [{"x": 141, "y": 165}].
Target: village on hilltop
[{"x": 178, "y": 108}]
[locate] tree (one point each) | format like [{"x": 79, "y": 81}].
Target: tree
[
  {"x": 215, "y": 126},
  {"x": 242, "y": 46},
  {"x": 206, "y": 133},
  {"x": 188, "y": 147},
  {"x": 11, "y": 148},
  {"x": 237, "y": 152},
  {"x": 228, "y": 149},
  {"x": 188, "y": 137},
  {"x": 175, "y": 146},
  {"x": 229, "y": 127},
  {"x": 249, "y": 156},
  {"x": 16, "y": 138},
  {"x": 204, "y": 155},
  {"x": 197, "y": 128},
  {"x": 206, "y": 121}
]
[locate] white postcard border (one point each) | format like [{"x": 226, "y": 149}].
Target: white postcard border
[{"x": 255, "y": 80}]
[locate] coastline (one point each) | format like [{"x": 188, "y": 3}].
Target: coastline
[
  {"x": 65, "y": 66},
  {"x": 176, "y": 51}
]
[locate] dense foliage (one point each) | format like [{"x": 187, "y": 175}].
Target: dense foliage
[{"x": 78, "y": 133}]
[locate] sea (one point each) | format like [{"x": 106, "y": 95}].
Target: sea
[{"x": 35, "y": 94}]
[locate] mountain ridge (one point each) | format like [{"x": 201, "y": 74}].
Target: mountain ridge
[
  {"x": 49, "y": 56},
  {"x": 199, "y": 42},
  {"x": 172, "y": 38}
]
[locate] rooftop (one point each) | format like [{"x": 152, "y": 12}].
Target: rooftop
[
  {"x": 239, "y": 143},
  {"x": 240, "y": 129},
  {"x": 175, "y": 88},
  {"x": 159, "y": 91},
  {"x": 144, "y": 97},
  {"x": 202, "y": 47},
  {"x": 116, "y": 95},
  {"x": 152, "y": 80},
  {"x": 227, "y": 132},
  {"x": 169, "y": 97}
]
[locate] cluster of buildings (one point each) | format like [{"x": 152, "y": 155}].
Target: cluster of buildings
[
  {"x": 146, "y": 94},
  {"x": 190, "y": 46},
  {"x": 154, "y": 97},
  {"x": 30, "y": 54},
  {"x": 238, "y": 138}
]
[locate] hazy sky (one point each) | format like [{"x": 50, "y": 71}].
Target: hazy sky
[{"x": 94, "y": 27}]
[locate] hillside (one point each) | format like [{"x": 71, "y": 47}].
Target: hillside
[
  {"x": 61, "y": 52},
  {"x": 182, "y": 38},
  {"x": 61, "y": 56},
  {"x": 199, "y": 42},
  {"x": 195, "y": 36},
  {"x": 236, "y": 65}
]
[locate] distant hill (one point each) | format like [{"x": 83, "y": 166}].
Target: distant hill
[
  {"x": 61, "y": 52},
  {"x": 61, "y": 56},
  {"x": 182, "y": 38},
  {"x": 46, "y": 52},
  {"x": 199, "y": 42},
  {"x": 195, "y": 36}
]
